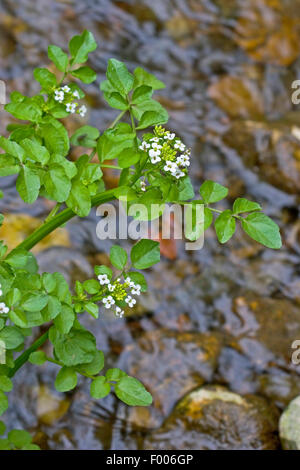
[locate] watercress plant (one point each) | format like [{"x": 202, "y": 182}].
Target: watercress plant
[{"x": 153, "y": 167}]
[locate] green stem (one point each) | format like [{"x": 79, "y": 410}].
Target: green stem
[
  {"x": 20, "y": 361},
  {"x": 60, "y": 219},
  {"x": 111, "y": 166},
  {"x": 53, "y": 212},
  {"x": 117, "y": 119}
]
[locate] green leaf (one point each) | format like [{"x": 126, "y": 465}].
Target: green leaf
[
  {"x": 2, "y": 428},
  {"x": 80, "y": 46},
  {"x": 19, "y": 438},
  {"x": 3, "y": 402},
  {"x": 34, "y": 302},
  {"x": 114, "y": 375},
  {"x": 118, "y": 257},
  {"x": 5, "y": 384},
  {"x": 116, "y": 100},
  {"x": 103, "y": 270},
  {"x": 26, "y": 110},
  {"x": 46, "y": 79},
  {"x": 56, "y": 137},
  {"x": 17, "y": 258},
  {"x": 85, "y": 74},
  {"x": 38, "y": 358},
  {"x": 8, "y": 166},
  {"x": 58, "y": 57},
  {"x": 79, "y": 199},
  {"x": 138, "y": 278},
  {"x": 186, "y": 190},
  {"x": 153, "y": 118},
  {"x": 93, "y": 367},
  {"x": 145, "y": 253},
  {"x": 243, "y": 205},
  {"x": 132, "y": 392},
  {"x": 225, "y": 226},
  {"x": 262, "y": 229},
  {"x": 65, "y": 320},
  {"x": 57, "y": 183},
  {"x": 212, "y": 192},
  {"x": 28, "y": 185},
  {"x": 99, "y": 388},
  {"x": 128, "y": 157},
  {"x": 141, "y": 77},
  {"x": 11, "y": 336},
  {"x": 91, "y": 286},
  {"x": 119, "y": 76},
  {"x": 35, "y": 151},
  {"x": 86, "y": 136},
  {"x": 49, "y": 282},
  {"x": 12, "y": 148},
  {"x": 141, "y": 94},
  {"x": 92, "y": 309},
  {"x": 77, "y": 347},
  {"x": 13, "y": 297},
  {"x": 66, "y": 379}
]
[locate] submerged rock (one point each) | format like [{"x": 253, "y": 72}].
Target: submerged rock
[
  {"x": 212, "y": 417},
  {"x": 289, "y": 426}
]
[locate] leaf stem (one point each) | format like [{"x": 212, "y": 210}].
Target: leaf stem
[
  {"x": 117, "y": 119},
  {"x": 20, "y": 361}
]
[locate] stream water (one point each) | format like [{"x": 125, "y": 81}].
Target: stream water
[{"x": 223, "y": 315}]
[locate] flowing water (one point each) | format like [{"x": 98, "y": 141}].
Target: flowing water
[{"x": 224, "y": 315}]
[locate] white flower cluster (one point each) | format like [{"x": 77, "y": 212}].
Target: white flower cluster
[
  {"x": 3, "y": 306},
  {"x": 119, "y": 292},
  {"x": 163, "y": 150},
  {"x": 65, "y": 95}
]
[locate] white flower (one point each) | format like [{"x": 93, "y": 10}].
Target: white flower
[
  {"x": 178, "y": 173},
  {"x": 82, "y": 110},
  {"x": 103, "y": 279},
  {"x": 130, "y": 301},
  {"x": 144, "y": 146},
  {"x": 129, "y": 282},
  {"x": 66, "y": 89},
  {"x": 143, "y": 186},
  {"x": 71, "y": 107},
  {"x": 3, "y": 308},
  {"x": 183, "y": 160},
  {"x": 155, "y": 146},
  {"x": 136, "y": 290},
  {"x": 155, "y": 160},
  {"x": 179, "y": 145},
  {"x": 154, "y": 153},
  {"x": 108, "y": 301},
  {"x": 59, "y": 96},
  {"x": 119, "y": 312},
  {"x": 1, "y": 292},
  {"x": 170, "y": 166},
  {"x": 169, "y": 136},
  {"x": 111, "y": 288},
  {"x": 154, "y": 139},
  {"x": 76, "y": 94}
]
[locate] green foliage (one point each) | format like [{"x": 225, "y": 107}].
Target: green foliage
[{"x": 154, "y": 170}]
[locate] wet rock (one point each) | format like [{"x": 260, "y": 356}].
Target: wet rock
[
  {"x": 170, "y": 364},
  {"x": 289, "y": 426},
  {"x": 17, "y": 227},
  {"x": 237, "y": 97},
  {"x": 268, "y": 30},
  {"x": 268, "y": 149},
  {"x": 214, "y": 418}
]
